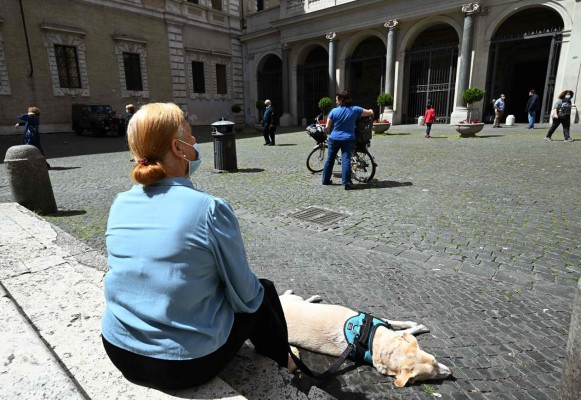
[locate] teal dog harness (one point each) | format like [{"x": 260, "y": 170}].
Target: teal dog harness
[{"x": 359, "y": 331}]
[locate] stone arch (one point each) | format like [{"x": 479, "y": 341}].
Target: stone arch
[
  {"x": 312, "y": 81},
  {"x": 418, "y": 28},
  {"x": 269, "y": 80},
  {"x": 430, "y": 65},
  {"x": 363, "y": 63},
  {"x": 525, "y": 44}
]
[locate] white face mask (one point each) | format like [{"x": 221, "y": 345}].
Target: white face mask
[{"x": 194, "y": 164}]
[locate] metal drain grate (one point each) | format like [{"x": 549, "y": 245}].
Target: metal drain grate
[{"x": 319, "y": 215}]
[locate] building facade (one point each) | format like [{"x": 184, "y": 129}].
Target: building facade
[
  {"x": 297, "y": 51},
  {"x": 207, "y": 55},
  {"x": 57, "y": 53}
]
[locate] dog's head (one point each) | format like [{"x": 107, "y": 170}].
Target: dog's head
[{"x": 401, "y": 356}]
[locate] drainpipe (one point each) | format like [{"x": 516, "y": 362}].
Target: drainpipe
[{"x": 26, "y": 37}]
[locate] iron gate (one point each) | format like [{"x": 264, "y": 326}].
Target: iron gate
[
  {"x": 313, "y": 84},
  {"x": 270, "y": 87},
  {"x": 432, "y": 73}
]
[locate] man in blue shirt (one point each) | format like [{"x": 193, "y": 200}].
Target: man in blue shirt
[{"x": 498, "y": 110}]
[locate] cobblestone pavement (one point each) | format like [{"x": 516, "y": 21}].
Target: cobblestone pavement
[{"x": 476, "y": 238}]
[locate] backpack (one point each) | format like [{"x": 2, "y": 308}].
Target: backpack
[{"x": 363, "y": 132}]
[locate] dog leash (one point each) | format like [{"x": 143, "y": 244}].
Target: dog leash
[
  {"x": 329, "y": 372},
  {"x": 358, "y": 348}
]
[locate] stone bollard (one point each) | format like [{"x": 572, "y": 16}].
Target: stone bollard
[
  {"x": 571, "y": 382},
  {"x": 29, "y": 181},
  {"x": 510, "y": 120}
]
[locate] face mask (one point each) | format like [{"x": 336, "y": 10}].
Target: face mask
[
  {"x": 567, "y": 97},
  {"x": 195, "y": 164}
]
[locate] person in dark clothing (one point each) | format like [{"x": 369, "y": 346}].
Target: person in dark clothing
[
  {"x": 129, "y": 111},
  {"x": 268, "y": 123},
  {"x": 561, "y": 115},
  {"x": 533, "y": 106},
  {"x": 31, "y": 122}
]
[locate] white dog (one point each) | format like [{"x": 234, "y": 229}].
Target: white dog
[{"x": 321, "y": 328}]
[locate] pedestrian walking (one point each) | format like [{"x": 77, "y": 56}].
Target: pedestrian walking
[
  {"x": 180, "y": 296},
  {"x": 429, "y": 118},
  {"x": 31, "y": 122},
  {"x": 533, "y": 106},
  {"x": 341, "y": 123},
  {"x": 269, "y": 125},
  {"x": 498, "y": 110},
  {"x": 129, "y": 111},
  {"x": 561, "y": 115}
]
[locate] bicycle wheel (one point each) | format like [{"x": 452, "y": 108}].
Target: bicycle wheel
[
  {"x": 316, "y": 159},
  {"x": 362, "y": 166}
]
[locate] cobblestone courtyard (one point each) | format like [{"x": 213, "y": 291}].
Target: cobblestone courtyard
[{"x": 476, "y": 238}]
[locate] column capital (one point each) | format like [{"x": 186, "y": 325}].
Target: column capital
[
  {"x": 471, "y": 8},
  {"x": 331, "y": 36},
  {"x": 284, "y": 46},
  {"x": 391, "y": 24}
]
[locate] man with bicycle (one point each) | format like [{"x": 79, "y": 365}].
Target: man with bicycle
[{"x": 341, "y": 123}]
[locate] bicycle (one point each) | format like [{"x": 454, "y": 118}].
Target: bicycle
[{"x": 363, "y": 165}]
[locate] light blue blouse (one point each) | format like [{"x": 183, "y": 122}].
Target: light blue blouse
[{"x": 178, "y": 272}]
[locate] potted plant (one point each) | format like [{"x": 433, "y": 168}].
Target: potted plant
[
  {"x": 381, "y": 124},
  {"x": 260, "y": 107},
  {"x": 470, "y": 127},
  {"x": 236, "y": 108},
  {"x": 325, "y": 105}
]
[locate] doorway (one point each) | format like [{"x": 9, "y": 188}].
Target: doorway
[{"x": 524, "y": 55}]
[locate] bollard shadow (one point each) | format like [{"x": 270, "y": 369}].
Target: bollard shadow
[
  {"x": 250, "y": 170},
  {"x": 285, "y": 145},
  {"x": 62, "y": 168},
  {"x": 67, "y": 213}
]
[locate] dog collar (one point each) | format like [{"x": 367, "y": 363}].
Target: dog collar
[{"x": 359, "y": 331}]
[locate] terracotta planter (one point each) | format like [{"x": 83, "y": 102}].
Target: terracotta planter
[
  {"x": 380, "y": 127},
  {"x": 469, "y": 130}
]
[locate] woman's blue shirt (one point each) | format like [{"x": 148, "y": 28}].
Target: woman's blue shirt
[{"x": 178, "y": 272}]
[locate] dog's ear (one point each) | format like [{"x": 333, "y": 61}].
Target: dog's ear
[{"x": 402, "y": 377}]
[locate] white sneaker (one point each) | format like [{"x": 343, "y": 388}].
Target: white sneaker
[
  {"x": 548, "y": 139},
  {"x": 569, "y": 139}
]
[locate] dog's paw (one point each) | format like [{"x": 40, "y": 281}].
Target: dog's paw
[
  {"x": 419, "y": 328},
  {"x": 314, "y": 299}
]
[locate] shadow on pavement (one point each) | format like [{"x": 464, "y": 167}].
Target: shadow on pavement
[
  {"x": 68, "y": 213},
  {"x": 250, "y": 170},
  {"x": 67, "y": 144},
  {"x": 376, "y": 184}
]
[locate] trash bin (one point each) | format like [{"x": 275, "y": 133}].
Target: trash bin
[{"x": 224, "y": 145}]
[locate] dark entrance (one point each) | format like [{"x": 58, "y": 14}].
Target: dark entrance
[
  {"x": 366, "y": 73},
  {"x": 269, "y": 80},
  {"x": 431, "y": 67},
  {"x": 524, "y": 55},
  {"x": 312, "y": 83}
]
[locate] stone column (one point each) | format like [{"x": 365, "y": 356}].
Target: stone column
[
  {"x": 331, "y": 36},
  {"x": 391, "y": 26},
  {"x": 571, "y": 384},
  {"x": 285, "y": 117},
  {"x": 460, "y": 111}
]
